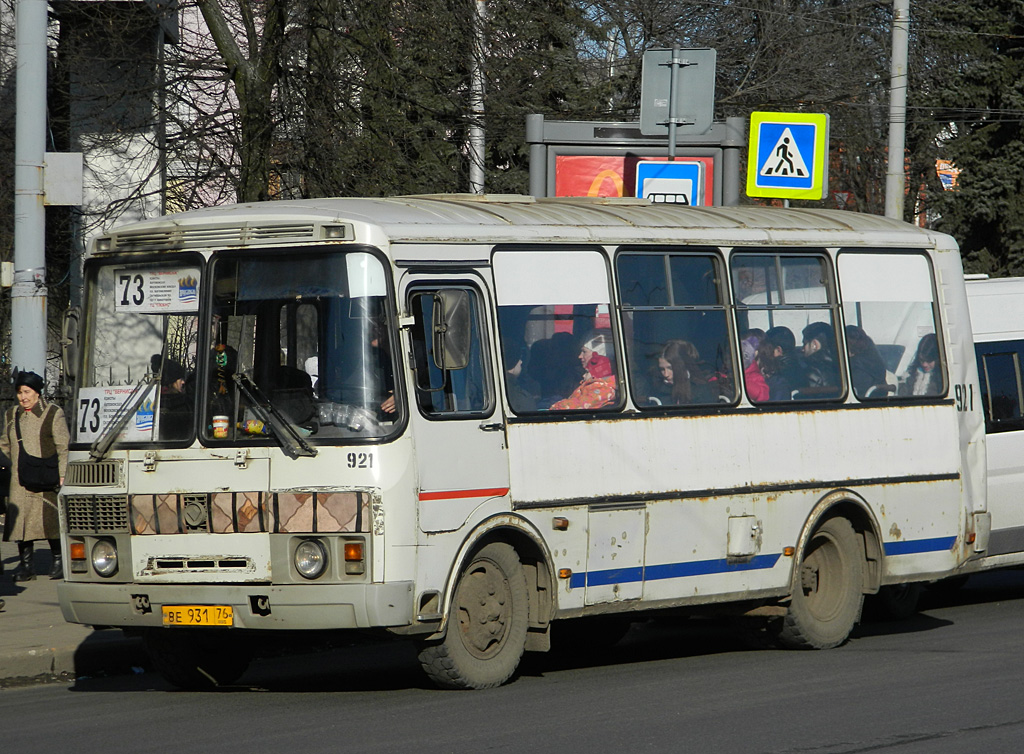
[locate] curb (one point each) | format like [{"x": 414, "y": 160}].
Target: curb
[{"x": 104, "y": 652}]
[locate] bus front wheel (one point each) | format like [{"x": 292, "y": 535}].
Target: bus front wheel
[
  {"x": 828, "y": 589},
  {"x": 196, "y": 660},
  {"x": 487, "y": 623}
]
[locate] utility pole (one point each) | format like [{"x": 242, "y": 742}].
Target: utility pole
[
  {"x": 28, "y": 294},
  {"x": 477, "y": 155},
  {"x": 896, "y": 173}
]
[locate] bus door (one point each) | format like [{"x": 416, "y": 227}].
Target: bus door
[{"x": 458, "y": 425}]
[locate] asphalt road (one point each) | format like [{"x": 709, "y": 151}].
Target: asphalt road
[{"x": 948, "y": 680}]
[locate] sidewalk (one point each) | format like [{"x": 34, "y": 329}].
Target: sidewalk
[{"x": 37, "y": 643}]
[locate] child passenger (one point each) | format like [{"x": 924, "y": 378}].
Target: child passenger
[{"x": 597, "y": 388}]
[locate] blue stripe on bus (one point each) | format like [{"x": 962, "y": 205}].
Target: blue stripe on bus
[
  {"x": 669, "y": 571},
  {"x": 705, "y": 567},
  {"x": 721, "y": 565},
  {"x": 936, "y": 544}
]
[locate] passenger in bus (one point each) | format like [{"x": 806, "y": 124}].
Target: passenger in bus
[
  {"x": 382, "y": 374},
  {"x": 292, "y": 394},
  {"x": 821, "y": 371},
  {"x": 175, "y": 402},
  {"x": 757, "y": 388},
  {"x": 553, "y": 369},
  {"x": 779, "y": 363},
  {"x": 521, "y": 389},
  {"x": 748, "y": 345},
  {"x": 312, "y": 367},
  {"x": 598, "y": 386},
  {"x": 867, "y": 369},
  {"x": 685, "y": 378},
  {"x": 923, "y": 377}
]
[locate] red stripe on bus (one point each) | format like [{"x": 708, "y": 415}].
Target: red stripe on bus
[{"x": 458, "y": 494}]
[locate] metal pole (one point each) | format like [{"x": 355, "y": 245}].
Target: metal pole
[
  {"x": 476, "y": 126},
  {"x": 28, "y": 295},
  {"x": 673, "y": 87},
  {"x": 732, "y": 142},
  {"x": 538, "y": 155},
  {"x": 895, "y": 176}
]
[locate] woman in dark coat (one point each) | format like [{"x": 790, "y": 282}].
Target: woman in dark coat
[
  {"x": 780, "y": 366},
  {"x": 33, "y": 515},
  {"x": 924, "y": 376},
  {"x": 867, "y": 369}
]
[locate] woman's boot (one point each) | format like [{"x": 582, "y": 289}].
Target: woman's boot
[
  {"x": 24, "y": 571},
  {"x": 57, "y": 569}
]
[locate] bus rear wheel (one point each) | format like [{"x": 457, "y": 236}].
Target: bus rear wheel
[
  {"x": 894, "y": 602},
  {"x": 487, "y": 624},
  {"x": 828, "y": 589}
]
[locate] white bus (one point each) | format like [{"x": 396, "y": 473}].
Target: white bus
[
  {"x": 470, "y": 420},
  {"x": 997, "y": 320}
]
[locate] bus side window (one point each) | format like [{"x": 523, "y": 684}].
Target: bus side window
[
  {"x": 442, "y": 392},
  {"x": 891, "y": 325},
  {"x": 675, "y": 325},
  {"x": 786, "y": 303},
  {"x": 554, "y": 318},
  {"x": 1001, "y": 386}
]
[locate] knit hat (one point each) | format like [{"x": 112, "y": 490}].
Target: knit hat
[
  {"x": 172, "y": 372},
  {"x": 749, "y": 348},
  {"x": 600, "y": 344},
  {"x": 28, "y": 379}
]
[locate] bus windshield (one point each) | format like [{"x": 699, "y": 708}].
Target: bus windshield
[
  {"x": 296, "y": 344},
  {"x": 143, "y": 320}
]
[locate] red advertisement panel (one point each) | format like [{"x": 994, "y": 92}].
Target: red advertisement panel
[{"x": 614, "y": 175}]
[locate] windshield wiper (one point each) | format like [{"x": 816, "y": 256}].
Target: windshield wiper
[
  {"x": 286, "y": 432},
  {"x": 131, "y": 404}
]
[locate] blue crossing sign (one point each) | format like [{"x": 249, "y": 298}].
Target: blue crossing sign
[{"x": 788, "y": 155}]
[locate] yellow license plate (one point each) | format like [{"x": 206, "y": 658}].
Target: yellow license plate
[{"x": 198, "y": 615}]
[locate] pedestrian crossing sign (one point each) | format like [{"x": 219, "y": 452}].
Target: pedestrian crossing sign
[{"x": 788, "y": 155}]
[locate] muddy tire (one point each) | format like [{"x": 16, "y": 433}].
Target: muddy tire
[
  {"x": 827, "y": 590},
  {"x": 487, "y": 623},
  {"x": 584, "y": 636},
  {"x": 948, "y": 586},
  {"x": 894, "y": 602},
  {"x": 196, "y": 660}
]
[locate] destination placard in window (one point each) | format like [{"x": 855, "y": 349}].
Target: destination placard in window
[{"x": 158, "y": 291}]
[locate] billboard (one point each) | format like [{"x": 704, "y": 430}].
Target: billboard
[{"x": 615, "y": 175}]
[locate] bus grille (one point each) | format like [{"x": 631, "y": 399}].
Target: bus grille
[
  {"x": 201, "y": 237},
  {"x": 95, "y": 514},
  {"x": 250, "y": 512},
  {"x": 200, "y": 564},
  {"x": 94, "y": 473}
]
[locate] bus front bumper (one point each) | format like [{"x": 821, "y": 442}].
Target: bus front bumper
[{"x": 254, "y": 606}]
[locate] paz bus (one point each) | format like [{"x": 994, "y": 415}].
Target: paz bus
[
  {"x": 997, "y": 322},
  {"x": 480, "y": 421}
]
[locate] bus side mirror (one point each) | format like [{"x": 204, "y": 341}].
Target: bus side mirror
[
  {"x": 452, "y": 330},
  {"x": 69, "y": 346}
]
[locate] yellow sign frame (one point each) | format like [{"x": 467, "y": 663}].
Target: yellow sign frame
[{"x": 767, "y": 132}]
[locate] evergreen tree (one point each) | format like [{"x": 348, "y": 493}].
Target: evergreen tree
[{"x": 974, "y": 90}]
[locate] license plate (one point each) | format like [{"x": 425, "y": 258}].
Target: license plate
[{"x": 198, "y": 615}]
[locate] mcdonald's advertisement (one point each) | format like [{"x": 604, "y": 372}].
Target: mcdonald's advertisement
[{"x": 615, "y": 175}]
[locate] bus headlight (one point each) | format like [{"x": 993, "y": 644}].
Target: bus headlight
[
  {"x": 310, "y": 559},
  {"x": 104, "y": 558}
]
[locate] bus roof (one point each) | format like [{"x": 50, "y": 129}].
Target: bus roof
[
  {"x": 467, "y": 218},
  {"x": 996, "y": 311}
]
